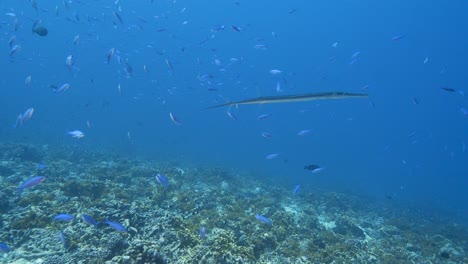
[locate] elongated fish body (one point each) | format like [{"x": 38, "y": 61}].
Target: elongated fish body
[
  {"x": 30, "y": 183},
  {"x": 294, "y": 98}
]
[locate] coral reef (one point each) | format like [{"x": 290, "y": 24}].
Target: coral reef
[{"x": 163, "y": 223}]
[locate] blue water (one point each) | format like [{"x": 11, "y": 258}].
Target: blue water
[{"x": 364, "y": 144}]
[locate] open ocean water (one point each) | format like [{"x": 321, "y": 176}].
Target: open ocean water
[{"x": 157, "y": 131}]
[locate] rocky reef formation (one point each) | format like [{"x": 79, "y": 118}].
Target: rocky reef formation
[{"x": 163, "y": 224}]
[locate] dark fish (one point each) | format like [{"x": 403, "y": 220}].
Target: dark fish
[
  {"x": 293, "y": 98},
  {"x": 41, "y": 31},
  {"x": 12, "y": 41},
  {"x": 34, "y": 5},
  {"x": 118, "y": 17},
  {"x": 398, "y": 37},
  {"x": 448, "y": 89},
  {"x": 314, "y": 168},
  {"x": 237, "y": 29},
  {"x": 110, "y": 55}
]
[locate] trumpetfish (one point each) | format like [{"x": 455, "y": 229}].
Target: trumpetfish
[{"x": 293, "y": 98}]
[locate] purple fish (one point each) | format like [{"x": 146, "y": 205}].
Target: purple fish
[
  {"x": 89, "y": 220},
  {"x": 263, "y": 219},
  {"x": 4, "y": 248},
  {"x": 203, "y": 233},
  {"x": 41, "y": 166},
  {"x": 296, "y": 189},
  {"x": 31, "y": 183},
  {"x": 63, "y": 217},
  {"x": 117, "y": 226},
  {"x": 162, "y": 180}
]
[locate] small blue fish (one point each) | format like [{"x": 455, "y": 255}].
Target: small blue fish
[
  {"x": 27, "y": 115},
  {"x": 266, "y": 135},
  {"x": 62, "y": 88},
  {"x": 263, "y": 116},
  {"x": 231, "y": 115},
  {"x": 15, "y": 49},
  {"x": 63, "y": 217},
  {"x": 162, "y": 180},
  {"x": 203, "y": 233},
  {"x": 355, "y": 55},
  {"x": 89, "y": 220},
  {"x": 303, "y": 132},
  {"x": 398, "y": 37},
  {"x": 263, "y": 219},
  {"x": 116, "y": 226},
  {"x": 236, "y": 28},
  {"x": 296, "y": 189},
  {"x": 41, "y": 166},
  {"x": 76, "y": 134},
  {"x": 31, "y": 183},
  {"x": 62, "y": 238},
  {"x": 18, "y": 121},
  {"x": 272, "y": 156},
  {"x": 4, "y": 248},
  {"x": 174, "y": 119},
  {"x": 464, "y": 111}
]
